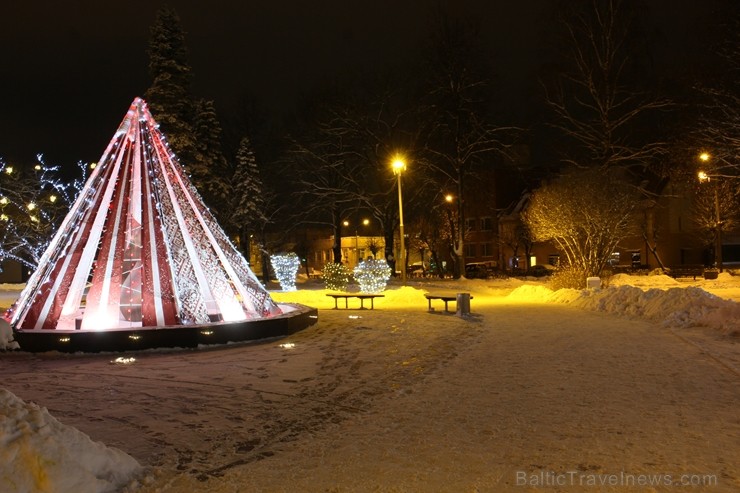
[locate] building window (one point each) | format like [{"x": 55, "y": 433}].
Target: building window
[
  {"x": 486, "y": 224},
  {"x": 486, "y": 250},
  {"x": 470, "y": 250},
  {"x": 554, "y": 259},
  {"x": 470, "y": 224},
  {"x": 614, "y": 259}
]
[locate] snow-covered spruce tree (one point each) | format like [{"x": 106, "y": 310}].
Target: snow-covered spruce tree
[
  {"x": 209, "y": 171},
  {"x": 169, "y": 97},
  {"x": 248, "y": 204},
  {"x": 585, "y": 214}
]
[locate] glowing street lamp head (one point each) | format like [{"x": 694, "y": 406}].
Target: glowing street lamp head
[
  {"x": 345, "y": 223},
  {"x": 365, "y": 222},
  {"x": 704, "y": 156},
  {"x": 399, "y": 164},
  {"x": 449, "y": 197}
]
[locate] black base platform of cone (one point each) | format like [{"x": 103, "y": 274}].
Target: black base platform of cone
[{"x": 191, "y": 336}]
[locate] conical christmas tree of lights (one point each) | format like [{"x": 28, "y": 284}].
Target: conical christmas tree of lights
[{"x": 139, "y": 249}]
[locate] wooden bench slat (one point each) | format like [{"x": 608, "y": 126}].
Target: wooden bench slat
[{"x": 360, "y": 296}]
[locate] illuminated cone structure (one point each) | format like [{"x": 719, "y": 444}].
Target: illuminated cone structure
[{"x": 139, "y": 249}]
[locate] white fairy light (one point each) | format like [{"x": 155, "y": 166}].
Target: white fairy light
[
  {"x": 372, "y": 275},
  {"x": 286, "y": 268}
]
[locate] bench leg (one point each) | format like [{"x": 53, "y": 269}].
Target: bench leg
[{"x": 446, "y": 310}]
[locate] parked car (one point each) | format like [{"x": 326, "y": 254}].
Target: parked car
[
  {"x": 540, "y": 270},
  {"x": 417, "y": 269},
  {"x": 478, "y": 270}
]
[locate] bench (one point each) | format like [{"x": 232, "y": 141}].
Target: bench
[
  {"x": 444, "y": 297},
  {"x": 686, "y": 271},
  {"x": 362, "y": 298}
]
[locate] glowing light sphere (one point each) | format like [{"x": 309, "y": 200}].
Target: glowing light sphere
[
  {"x": 336, "y": 276},
  {"x": 286, "y": 269},
  {"x": 372, "y": 275}
]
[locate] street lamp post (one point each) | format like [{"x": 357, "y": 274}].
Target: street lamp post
[
  {"x": 399, "y": 165},
  {"x": 704, "y": 177},
  {"x": 365, "y": 222}
]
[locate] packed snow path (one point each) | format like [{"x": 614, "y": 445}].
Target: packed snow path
[{"x": 401, "y": 400}]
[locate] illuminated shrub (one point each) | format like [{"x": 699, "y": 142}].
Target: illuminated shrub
[
  {"x": 285, "y": 266},
  {"x": 568, "y": 277},
  {"x": 335, "y": 276},
  {"x": 372, "y": 275}
]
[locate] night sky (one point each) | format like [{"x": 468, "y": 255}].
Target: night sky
[{"x": 70, "y": 69}]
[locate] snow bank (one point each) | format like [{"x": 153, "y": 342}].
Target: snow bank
[
  {"x": 672, "y": 307},
  {"x": 6, "y": 336},
  {"x": 39, "y": 454}
]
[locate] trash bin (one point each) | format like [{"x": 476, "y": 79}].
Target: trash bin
[
  {"x": 593, "y": 283},
  {"x": 463, "y": 304}
]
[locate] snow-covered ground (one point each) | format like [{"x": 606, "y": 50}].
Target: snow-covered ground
[{"x": 568, "y": 390}]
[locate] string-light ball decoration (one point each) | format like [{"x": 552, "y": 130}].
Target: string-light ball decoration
[
  {"x": 286, "y": 267},
  {"x": 372, "y": 275},
  {"x": 336, "y": 276}
]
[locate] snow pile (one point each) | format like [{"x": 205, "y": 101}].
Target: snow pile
[
  {"x": 6, "y": 336},
  {"x": 530, "y": 293},
  {"x": 39, "y": 454},
  {"x": 672, "y": 307}
]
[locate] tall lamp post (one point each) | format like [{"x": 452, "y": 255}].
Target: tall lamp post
[
  {"x": 365, "y": 222},
  {"x": 399, "y": 165},
  {"x": 704, "y": 177}
]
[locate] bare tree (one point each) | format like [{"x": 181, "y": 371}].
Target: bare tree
[
  {"x": 327, "y": 177},
  {"x": 600, "y": 108},
  {"x": 585, "y": 213},
  {"x": 717, "y": 211},
  {"x": 459, "y": 134},
  {"x": 33, "y": 202},
  {"x": 718, "y": 126}
]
